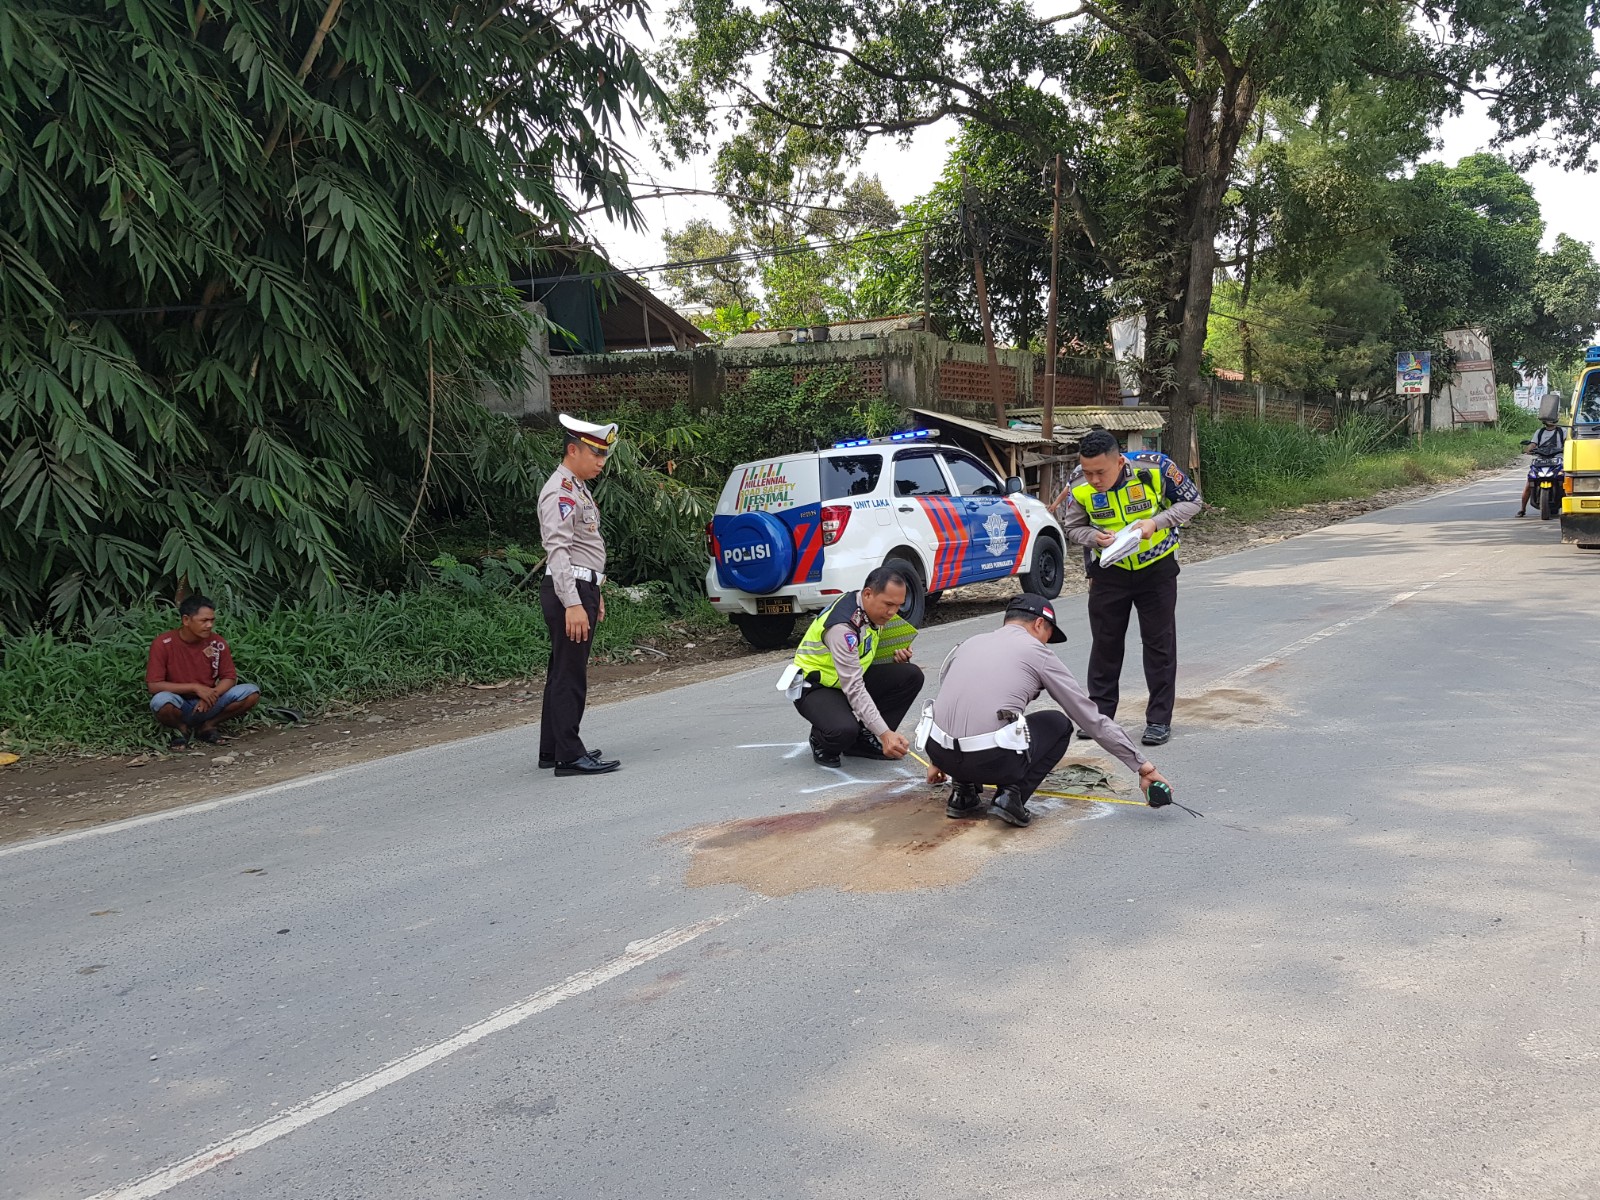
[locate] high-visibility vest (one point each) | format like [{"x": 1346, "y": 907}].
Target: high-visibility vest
[
  {"x": 1135, "y": 499},
  {"x": 873, "y": 645}
]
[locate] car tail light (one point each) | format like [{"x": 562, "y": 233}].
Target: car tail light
[
  {"x": 711, "y": 542},
  {"x": 834, "y": 518}
]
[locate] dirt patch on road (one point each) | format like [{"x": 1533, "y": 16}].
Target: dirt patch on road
[
  {"x": 1226, "y": 708},
  {"x": 889, "y": 839}
]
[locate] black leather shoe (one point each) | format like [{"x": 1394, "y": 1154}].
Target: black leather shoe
[
  {"x": 1157, "y": 735},
  {"x": 1084, "y": 735},
  {"x": 867, "y": 749},
  {"x": 1010, "y": 807},
  {"x": 823, "y": 757},
  {"x": 966, "y": 801},
  {"x": 589, "y": 764},
  {"x": 546, "y": 763}
]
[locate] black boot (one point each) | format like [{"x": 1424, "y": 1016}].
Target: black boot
[
  {"x": 821, "y": 755},
  {"x": 1010, "y": 807},
  {"x": 966, "y": 800}
]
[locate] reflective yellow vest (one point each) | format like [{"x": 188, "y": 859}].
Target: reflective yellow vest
[
  {"x": 873, "y": 645},
  {"x": 1137, "y": 498}
]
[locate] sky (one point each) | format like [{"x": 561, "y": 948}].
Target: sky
[{"x": 1567, "y": 200}]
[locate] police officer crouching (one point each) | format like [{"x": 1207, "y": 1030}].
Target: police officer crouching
[
  {"x": 574, "y": 569},
  {"x": 852, "y": 676},
  {"x": 975, "y": 733}
]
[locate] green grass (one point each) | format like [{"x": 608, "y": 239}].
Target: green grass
[
  {"x": 87, "y": 694},
  {"x": 1250, "y": 468}
]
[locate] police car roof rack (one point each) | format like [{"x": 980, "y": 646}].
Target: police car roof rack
[{"x": 905, "y": 435}]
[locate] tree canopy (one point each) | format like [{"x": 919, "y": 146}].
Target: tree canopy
[
  {"x": 1149, "y": 101},
  {"x": 255, "y": 263}
]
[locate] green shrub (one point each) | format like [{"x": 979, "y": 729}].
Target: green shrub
[{"x": 1250, "y": 467}]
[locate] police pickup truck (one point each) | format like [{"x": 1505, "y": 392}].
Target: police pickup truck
[{"x": 791, "y": 534}]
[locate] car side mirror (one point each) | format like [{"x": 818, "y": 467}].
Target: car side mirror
[{"x": 1013, "y": 485}]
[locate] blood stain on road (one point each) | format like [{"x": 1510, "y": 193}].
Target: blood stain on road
[{"x": 880, "y": 840}]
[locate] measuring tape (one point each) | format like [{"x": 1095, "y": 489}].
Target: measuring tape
[{"x": 1076, "y": 795}]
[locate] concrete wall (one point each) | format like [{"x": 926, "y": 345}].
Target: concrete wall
[
  {"x": 911, "y": 368},
  {"x": 534, "y": 398}
]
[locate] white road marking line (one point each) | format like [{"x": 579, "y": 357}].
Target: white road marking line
[
  {"x": 634, "y": 955},
  {"x": 1277, "y": 656}
]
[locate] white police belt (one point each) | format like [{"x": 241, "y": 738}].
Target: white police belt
[
  {"x": 588, "y": 576},
  {"x": 1008, "y": 737}
]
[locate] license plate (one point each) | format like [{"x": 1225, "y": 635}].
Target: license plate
[{"x": 775, "y": 606}]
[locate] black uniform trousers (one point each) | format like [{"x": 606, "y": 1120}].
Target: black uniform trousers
[
  {"x": 1049, "y": 732},
  {"x": 566, "y": 684},
  {"x": 834, "y": 726},
  {"x": 1113, "y": 593}
]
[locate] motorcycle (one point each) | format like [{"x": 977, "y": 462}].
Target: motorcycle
[{"x": 1547, "y": 478}]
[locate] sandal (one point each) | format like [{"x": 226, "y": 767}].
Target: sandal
[
  {"x": 209, "y": 736},
  {"x": 178, "y": 742}
]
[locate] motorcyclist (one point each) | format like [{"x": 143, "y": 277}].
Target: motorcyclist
[{"x": 1549, "y": 442}]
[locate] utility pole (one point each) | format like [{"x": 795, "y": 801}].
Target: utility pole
[
  {"x": 1050, "y": 348},
  {"x": 927, "y": 292},
  {"x": 969, "y": 198}
]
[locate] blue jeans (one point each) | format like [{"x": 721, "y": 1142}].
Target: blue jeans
[{"x": 189, "y": 704}]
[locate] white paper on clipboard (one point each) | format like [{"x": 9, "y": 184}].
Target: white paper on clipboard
[{"x": 1125, "y": 543}]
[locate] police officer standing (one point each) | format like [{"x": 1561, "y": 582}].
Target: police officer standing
[
  {"x": 574, "y": 569},
  {"x": 853, "y": 677},
  {"x": 976, "y": 733},
  {"x": 1108, "y": 494}
]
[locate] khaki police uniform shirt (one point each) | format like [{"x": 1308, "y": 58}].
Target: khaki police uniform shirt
[
  {"x": 1005, "y": 671},
  {"x": 569, "y": 528},
  {"x": 852, "y": 679}
]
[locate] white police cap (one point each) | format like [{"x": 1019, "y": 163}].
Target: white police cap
[{"x": 600, "y": 437}]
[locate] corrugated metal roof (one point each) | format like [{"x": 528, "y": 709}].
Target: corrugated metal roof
[
  {"x": 1071, "y": 423},
  {"x": 839, "y": 331},
  {"x": 1079, "y": 420},
  {"x": 1013, "y": 437}
]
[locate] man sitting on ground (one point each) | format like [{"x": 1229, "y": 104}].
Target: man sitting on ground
[{"x": 191, "y": 678}]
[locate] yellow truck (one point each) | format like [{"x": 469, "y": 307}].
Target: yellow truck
[{"x": 1580, "y": 507}]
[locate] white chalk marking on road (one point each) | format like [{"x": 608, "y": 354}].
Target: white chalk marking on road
[
  {"x": 1277, "y": 656},
  {"x": 634, "y": 955}
]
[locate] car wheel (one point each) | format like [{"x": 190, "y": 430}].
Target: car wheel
[
  {"x": 765, "y": 633},
  {"x": 1046, "y": 576},
  {"x": 916, "y": 605}
]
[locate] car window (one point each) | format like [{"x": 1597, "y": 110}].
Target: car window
[
  {"x": 850, "y": 475},
  {"x": 972, "y": 477},
  {"x": 919, "y": 475}
]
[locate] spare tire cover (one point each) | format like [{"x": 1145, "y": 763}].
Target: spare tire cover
[{"x": 757, "y": 553}]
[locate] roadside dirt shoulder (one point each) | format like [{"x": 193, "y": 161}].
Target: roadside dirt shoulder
[{"x": 71, "y": 792}]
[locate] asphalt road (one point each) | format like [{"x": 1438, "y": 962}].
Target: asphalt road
[{"x": 1368, "y": 971}]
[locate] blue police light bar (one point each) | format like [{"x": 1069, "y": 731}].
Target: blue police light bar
[
  {"x": 908, "y": 435},
  {"x": 1592, "y": 354}
]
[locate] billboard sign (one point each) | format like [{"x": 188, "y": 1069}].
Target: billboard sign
[{"x": 1413, "y": 373}]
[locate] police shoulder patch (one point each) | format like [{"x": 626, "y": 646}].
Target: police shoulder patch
[
  {"x": 851, "y": 641},
  {"x": 566, "y": 506}
]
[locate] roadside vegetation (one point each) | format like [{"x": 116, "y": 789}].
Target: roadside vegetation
[{"x": 1249, "y": 468}]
